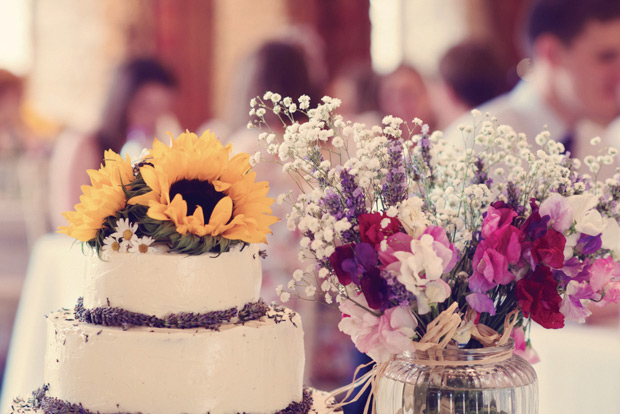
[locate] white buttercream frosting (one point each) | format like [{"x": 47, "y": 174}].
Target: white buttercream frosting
[
  {"x": 256, "y": 367},
  {"x": 163, "y": 283}
]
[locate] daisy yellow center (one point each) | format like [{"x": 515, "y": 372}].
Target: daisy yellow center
[
  {"x": 143, "y": 248},
  {"x": 197, "y": 193},
  {"x": 116, "y": 246},
  {"x": 127, "y": 234}
]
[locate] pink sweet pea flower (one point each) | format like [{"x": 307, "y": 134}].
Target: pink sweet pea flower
[
  {"x": 602, "y": 272},
  {"x": 521, "y": 347},
  {"x": 378, "y": 336},
  {"x": 560, "y": 211}
]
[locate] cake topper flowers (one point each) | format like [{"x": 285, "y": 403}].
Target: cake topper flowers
[
  {"x": 190, "y": 196},
  {"x": 425, "y": 246}
]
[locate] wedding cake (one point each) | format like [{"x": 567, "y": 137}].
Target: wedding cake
[{"x": 171, "y": 321}]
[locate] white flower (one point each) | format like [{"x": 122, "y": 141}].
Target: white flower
[
  {"x": 587, "y": 219},
  {"x": 595, "y": 141},
  {"x": 141, "y": 245},
  {"x": 125, "y": 230},
  {"x": 298, "y": 275},
  {"x": 112, "y": 245},
  {"x": 310, "y": 290},
  {"x": 421, "y": 264},
  {"x": 267, "y": 95},
  {"x": 412, "y": 217},
  {"x": 284, "y": 297}
]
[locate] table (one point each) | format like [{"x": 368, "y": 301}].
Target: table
[{"x": 53, "y": 281}]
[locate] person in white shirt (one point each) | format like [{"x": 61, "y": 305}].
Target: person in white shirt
[{"x": 575, "y": 72}]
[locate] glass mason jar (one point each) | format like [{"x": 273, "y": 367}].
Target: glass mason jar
[{"x": 459, "y": 381}]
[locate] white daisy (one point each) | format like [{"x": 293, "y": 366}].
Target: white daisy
[
  {"x": 112, "y": 245},
  {"x": 141, "y": 245},
  {"x": 125, "y": 230}
]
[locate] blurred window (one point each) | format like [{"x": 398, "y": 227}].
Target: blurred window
[{"x": 16, "y": 45}]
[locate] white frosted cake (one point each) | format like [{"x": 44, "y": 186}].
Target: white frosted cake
[{"x": 170, "y": 333}]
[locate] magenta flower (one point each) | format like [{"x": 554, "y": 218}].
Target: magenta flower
[
  {"x": 490, "y": 269},
  {"x": 371, "y": 229},
  {"x": 549, "y": 249},
  {"x": 497, "y": 219},
  {"x": 398, "y": 242}
]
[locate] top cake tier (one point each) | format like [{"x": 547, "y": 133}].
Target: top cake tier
[{"x": 160, "y": 284}]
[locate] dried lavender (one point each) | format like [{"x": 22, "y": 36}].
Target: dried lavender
[
  {"x": 397, "y": 293},
  {"x": 51, "y": 405},
  {"x": 188, "y": 320},
  {"x": 354, "y": 203},
  {"x": 253, "y": 311},
  {"x": 110, "y": 316},
  {"x": 395, "y": 187}
]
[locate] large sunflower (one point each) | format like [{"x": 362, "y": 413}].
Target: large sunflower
[
  {"x": 104, "y": 198},
  {"x": 196, "y": 185}
]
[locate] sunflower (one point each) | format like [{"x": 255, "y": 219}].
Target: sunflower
[
  {"x": 197, "y": 186},
  {"x": 104, "y": 198}
]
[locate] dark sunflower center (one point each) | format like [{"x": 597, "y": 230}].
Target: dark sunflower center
[{"x": 197, "y": 193}]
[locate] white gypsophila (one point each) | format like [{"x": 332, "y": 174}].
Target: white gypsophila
[
  {"x": 310, "y": 290},
  {"x": 285, "y": 297},
  {"x": 298, "y": 275},
  {"x": 595, "y": 141}
]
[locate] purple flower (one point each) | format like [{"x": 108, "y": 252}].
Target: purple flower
[
  {"x": 375, "y": 289},
  {"x": 588, "y": 244},
  {"x": 397, "y": 293},
  {"x": 354, "y": 203},
  {"x": 536, "y": 225},
  {"x": 395, "y": 187},
  {"x": 574, "y": 269},
  {"x": 332, "y": 203},
  {"x": 571, "y": 307},
  {"x": 480, "y": 303}
]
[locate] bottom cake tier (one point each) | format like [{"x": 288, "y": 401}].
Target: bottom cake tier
[{"x": 255, "y": 367}]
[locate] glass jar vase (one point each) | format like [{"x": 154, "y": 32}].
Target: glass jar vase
[{"x": 459, "y": 381}]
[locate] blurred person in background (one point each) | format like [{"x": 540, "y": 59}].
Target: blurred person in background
[
  {"x": 356, "y": 85},
  {"x": 138, "y": 108},
  {"x": 575, "y": 73},
  {"x": 472, "y": 74},
  {"x": 403, "y": 94}
]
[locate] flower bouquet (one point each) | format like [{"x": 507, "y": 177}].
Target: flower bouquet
[
  {"x": 425, "y": 246},
  {"x": 189, "y": 197}
]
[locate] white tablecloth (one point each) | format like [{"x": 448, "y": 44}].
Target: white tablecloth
[
  {"x": 579, "y": 372},
  {"x": 53, "y": 281}
]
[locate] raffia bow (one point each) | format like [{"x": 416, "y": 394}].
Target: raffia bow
[{"x": 438, "y": 335}]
